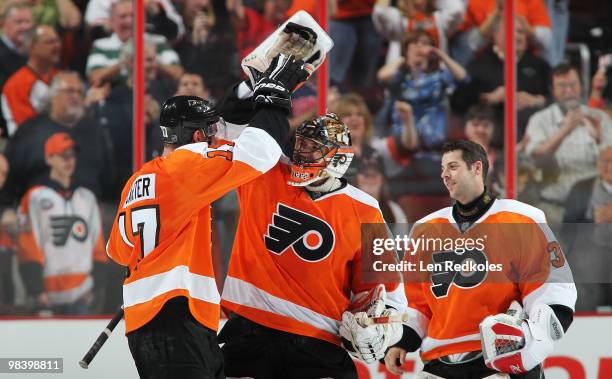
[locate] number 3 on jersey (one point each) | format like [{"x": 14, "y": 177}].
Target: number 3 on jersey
[{"x": 144, "y": 225}]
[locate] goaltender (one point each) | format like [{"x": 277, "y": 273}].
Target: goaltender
[{"x": 461, "y": 327}]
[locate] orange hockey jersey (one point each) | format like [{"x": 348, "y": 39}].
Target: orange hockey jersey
[
  {"x": 523, "y": 262},
  {"x": 534, "y": 11},
  {"x": 162, "y": 229},
  {"x": 353, "y": 8},
  {"x": 427, "y": 23},
  {"x": 295, "y": 260},
  {"x": 25, "y": 95}
]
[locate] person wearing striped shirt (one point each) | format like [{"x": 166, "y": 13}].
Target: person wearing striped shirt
[{"x": 104, "y": 63}]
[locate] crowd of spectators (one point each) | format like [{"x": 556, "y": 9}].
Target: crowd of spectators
[{"x": 405, "y": 76}]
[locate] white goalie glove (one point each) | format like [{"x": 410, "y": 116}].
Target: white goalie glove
[
  {"x": 296, "y": 40},
  {"x": 513, "y": 345},
  {"x": 300, "y": 37},
  {"x": 370, "y": 343}
]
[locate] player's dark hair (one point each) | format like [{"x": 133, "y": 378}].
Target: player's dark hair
[{"x": 471, "y": 152}]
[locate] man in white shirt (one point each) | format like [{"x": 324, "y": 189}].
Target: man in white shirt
[{"x": 564, "y": 139}]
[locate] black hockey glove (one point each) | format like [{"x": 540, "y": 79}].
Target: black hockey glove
[{"x": 279, "y": 80}]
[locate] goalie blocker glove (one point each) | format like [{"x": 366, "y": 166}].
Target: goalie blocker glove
[
  {"x": 516, "y": 346},
  {"x": 278, "y": 82}
]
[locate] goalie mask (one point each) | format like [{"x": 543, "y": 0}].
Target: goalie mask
[
  {"x": 322, "y": 149},
  {"x": 182, "y": 115}
]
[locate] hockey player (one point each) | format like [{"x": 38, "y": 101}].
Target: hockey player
[
  {"x": 296, "y": 262},
  {"x": 461, "y": 315},
  {"x": 162, "y": 229}
]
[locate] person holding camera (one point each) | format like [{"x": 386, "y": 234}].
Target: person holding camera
[
  {"x": 422, "y": 77},
  {"x": 487, "y": 85},
  {"x": 564, "y": 139},
  {"x": 208, "y": 48},
  {"x": 105, "y": 63},
  {"x": 419, "y": 83}
]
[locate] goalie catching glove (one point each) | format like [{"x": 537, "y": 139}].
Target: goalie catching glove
[
  {"x": 297, "y": 40},
  {"x": 275, "y": 86},
  {"x": 294, "y": 40},
  {"x": 370, "y": 343},
  {"x": 516, "y": 346}
]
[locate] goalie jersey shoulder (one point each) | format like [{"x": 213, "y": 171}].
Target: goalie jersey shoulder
[
  {"x": 364, "y": 204},
  {"x": 516, "y": 207},
  {"x": 509, "y": 210}
]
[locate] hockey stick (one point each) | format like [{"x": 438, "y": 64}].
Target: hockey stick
[
  {"x": 93, "y": 350},
  {"x": 403, "y": 317}
]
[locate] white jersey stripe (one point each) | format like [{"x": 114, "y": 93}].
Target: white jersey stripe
[
  {"x": 199, "y": 286},
  {"x": 254, "y": 147},
  {"x": 11, "y": 125},
  {"x": 433, "y": 343},
  {"x": 257, "y": 148},
  {"x": 563, "y": 293},
  {"x": 243, "y": 293}
]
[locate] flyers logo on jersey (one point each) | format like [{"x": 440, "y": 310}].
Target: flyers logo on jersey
[
  {"x": 444, "y": 275},
  {"x": 63, "y": 227},
  {"x": 311, "y": 238}
]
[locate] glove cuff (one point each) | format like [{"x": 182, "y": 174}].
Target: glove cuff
[
  {"x": 272, "y": 93},
  {"x": 410, "y": 340},
  {"x": 283, "y": 103},
  {"x": 544, "y": 324}
]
